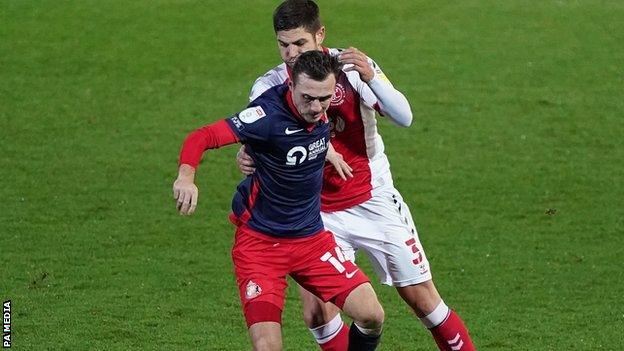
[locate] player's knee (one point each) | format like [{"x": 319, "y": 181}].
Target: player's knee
[
  {"x": 378, "y": 316},
  {"x": 267, "y": 343},
  {"x": 266, "y": 336},
  {"x": 422, "y": 298},
  {"x": 373, "y": 318}
]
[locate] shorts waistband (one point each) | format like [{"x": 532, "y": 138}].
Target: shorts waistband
[{"x": 245, "y": 229}]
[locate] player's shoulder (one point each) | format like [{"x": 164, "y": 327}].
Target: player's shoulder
[
  {"x": 271, "y": 101},
  {"x": 351, "y": 75},
  {"x": 275, "y": 76},
  {"x": 334, "y": 51},
  {"x": 274, "y": 95},
  {"x": 337, "y": 51}
]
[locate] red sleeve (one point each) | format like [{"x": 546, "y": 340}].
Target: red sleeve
[{"x": 211, "y": 136}]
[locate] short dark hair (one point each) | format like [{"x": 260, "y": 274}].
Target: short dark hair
[
  {"x": 292, "y": 14},
  {"x": 317, "y": 65}
]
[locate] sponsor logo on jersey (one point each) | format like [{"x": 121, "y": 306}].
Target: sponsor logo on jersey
[
  {"x": 316, "y": 148},
  {"x": 339, "y": 95},
  {"x": 350, "y": 275},
  {"x": 252, "y": 290},
  {"x": 298, "y": 154},
  {"x": 291, "y": 131},
  {"x": 251, "y": 114}
]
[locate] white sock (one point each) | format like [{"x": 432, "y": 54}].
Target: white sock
[
  {"x": 436, "y": 317},
  {"x": 328, "y": 331},
  {"x": 371, "y": 332}
]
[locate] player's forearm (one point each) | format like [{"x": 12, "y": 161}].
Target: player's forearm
[
  {"x": 392, "y": 102},
  {"x": 185, "y": 191},
  {"x": 211, "y": 136},
  {"x": 186, "y": 172}
]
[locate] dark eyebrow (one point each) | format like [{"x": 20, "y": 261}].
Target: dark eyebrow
[
  {"x": 297, "y": 42},
  {"x": 319, "y": 98},
  {"x": 300, "y": 42}
]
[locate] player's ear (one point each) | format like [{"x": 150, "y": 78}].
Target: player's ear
[
  {"x": 320, "y": 35},
  {"x": 290, "y": 84}
]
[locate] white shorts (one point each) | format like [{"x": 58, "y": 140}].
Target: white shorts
[{"x": 383, "y": 228}]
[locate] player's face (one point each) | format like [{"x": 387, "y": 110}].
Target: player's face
[
  {"x": 294, "y": 42},
  {"x": 312, "y": 97}
]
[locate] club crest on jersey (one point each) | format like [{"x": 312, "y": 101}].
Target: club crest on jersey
[
  {"x": 252, "y": 290},
  {"x": 251, "y": 114},
  {"x": 339, "y": 95}
]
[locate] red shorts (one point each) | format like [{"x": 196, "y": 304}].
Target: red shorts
[{"x": 261, "y": 263}]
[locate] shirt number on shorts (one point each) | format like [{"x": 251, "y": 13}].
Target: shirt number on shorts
[
  {"x": 335, "y": 261},
  {"x": 412, "y": 243}
]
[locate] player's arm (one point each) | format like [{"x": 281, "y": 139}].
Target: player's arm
[
  {"x": 185, "y": 191},
  {"x": 259, "y": 87},
  {"x": 212, "y": 136},
  {"x": 341, "y": 166},
  {"x": 244, "y": 162},
  {"x": 392, "y": 103}
]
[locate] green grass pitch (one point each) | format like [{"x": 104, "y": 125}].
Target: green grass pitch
[{"x": 513, "y": 169}]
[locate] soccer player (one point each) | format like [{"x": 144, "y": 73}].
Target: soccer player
[
  {"x": 364, "y": 212},
  {"x": 277, "y": 209}
]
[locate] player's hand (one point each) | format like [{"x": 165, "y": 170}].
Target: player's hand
[
  {"x": 358, "y": 59},
  {"x": 185, "y": 191},
  {"x": 244, "y": 162},
  {"x": 336, "y": 159}
]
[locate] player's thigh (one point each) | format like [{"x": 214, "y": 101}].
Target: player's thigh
[
  {"x": 266, "y": 336},
  {"x": 335, "y": 223},
  {"x": 260, "y": 269},
  {"x": 323, "y": 270},
  {"x": 363, "y": 307},
  {"x": 315, "y": 311},
  {"x": 385, "y": 230}
]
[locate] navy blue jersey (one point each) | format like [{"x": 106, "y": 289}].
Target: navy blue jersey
[{"x": 282, "y": 197}]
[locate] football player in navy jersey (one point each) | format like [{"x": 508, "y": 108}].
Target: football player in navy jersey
[
  {"x": 364, "y": 212},
  {"x": 276, "y": 210}
]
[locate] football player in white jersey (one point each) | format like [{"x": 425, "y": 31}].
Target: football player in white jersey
[{"x": 359, "y": 202}]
